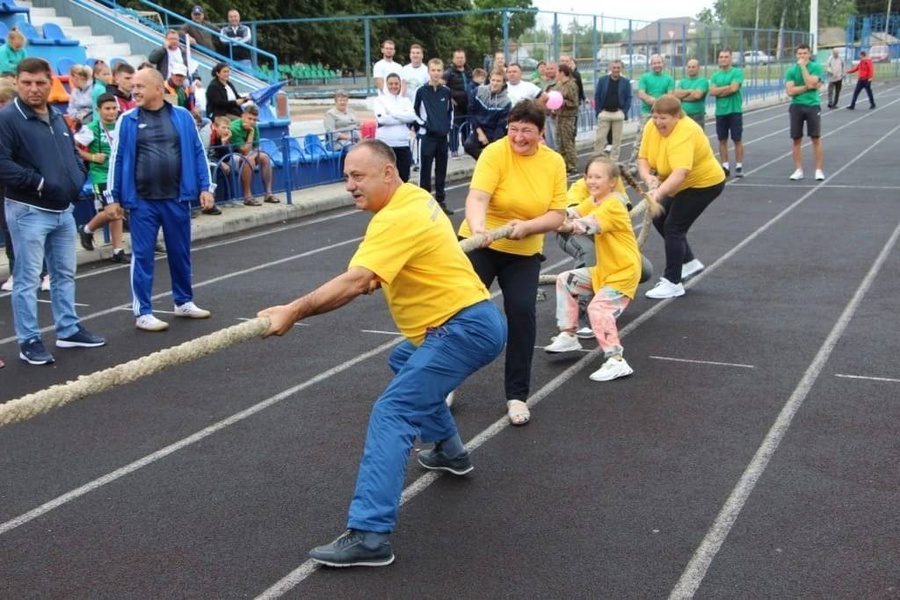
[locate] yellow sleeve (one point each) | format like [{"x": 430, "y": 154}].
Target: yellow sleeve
[
  {"x": 559, "y": 201},
  {"x": 577, "y": 192},
  {"x": 385, "y": 249},
  {"x": 647, "y": 138},
  {"x": 612, "y": 215}
]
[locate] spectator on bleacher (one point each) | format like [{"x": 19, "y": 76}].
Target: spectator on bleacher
[
  {"x": 235, "y": 32},
  {"x": 81, "y": 88},
  {"x": 12, "y": 52},
  {"x": 341, "y": 123},
  {"x": 488, "y": 114},
  {"x": 220, "y": 145},
  {"x": 394, "y": 114},
  {"x": 199, "y": 92},
  {"x": 123, "y": 82},
  {"x": 193, "y": 32},
  {"x": 176, "y": 86},
  {"x": 43, "y": 176},
  {"x": 385, "y": 66},
  {"x": 245, "y": 138},
  {"x": 155, "y": 172},
  {"x": 102, "y": 78},
  {"x": 170, "y": 54},
  {"x": 96, "y": 140},
  {"x": 222, "y": 99}
]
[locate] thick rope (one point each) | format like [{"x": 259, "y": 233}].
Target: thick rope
[
  {"x": 101, "y": 381},
  {"x": 55, "y": 396}
]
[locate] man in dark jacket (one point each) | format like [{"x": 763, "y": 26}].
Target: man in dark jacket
[
  {"x": 170, "y": 54},
  {"x": 43, "y": 175},
  {"x": 434, "y": 115},
  {"x": 457, "y": 78},
  {"x": 198, "y": 31},
  {"x": 612, "y": 100}
]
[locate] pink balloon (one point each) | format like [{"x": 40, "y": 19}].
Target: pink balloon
[{"x": 554, "y": 100}]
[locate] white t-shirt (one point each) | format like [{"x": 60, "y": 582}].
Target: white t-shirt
[
  {"x": 524, "y": 90},
  {"x": 414, "y": 77},
  {"x": 383, "y": 68}
]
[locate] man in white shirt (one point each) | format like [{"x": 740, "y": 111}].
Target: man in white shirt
[
  {"x": 385, "y": 66},
  {"x": 415, "y": 74},
  {"x": 836, "y": 72},
  {"x": 519, "y": 90}
]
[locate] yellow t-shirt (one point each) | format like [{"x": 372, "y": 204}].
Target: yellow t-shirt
[
  {"x": 618, "y": 257},
  {"x": 425, "y": 276},
  {"x": 686, "y": 147},
  {"x": 578, "y": 191},
  {"x": 521, "y": 187}
]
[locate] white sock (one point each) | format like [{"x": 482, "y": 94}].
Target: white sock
[
  {"x": 117, "y": 250},
  {"x": 724, "y": 165},
  {"x": 86, "y": 230},
  {"x": 739, "y": 165}
]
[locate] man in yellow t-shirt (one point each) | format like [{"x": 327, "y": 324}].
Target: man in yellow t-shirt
[
  {"x": 522, "y": 183},
  {"x": 452, "y": 329}
]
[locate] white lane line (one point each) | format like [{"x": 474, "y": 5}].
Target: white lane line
[
  {"x": 306, "y": 569},
  {"x": 380, "y": 332},
  {"x": 203, "y": 433},
  {"x": 884, "y": 379},
  {"x": 830, "y": 186},
  {"x": 702, "y": 558},
  {"x": 43, "y": 301},
  {"x": 703, "y": 362}
]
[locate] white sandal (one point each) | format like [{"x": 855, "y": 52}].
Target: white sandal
[{"x": 518, "y": 412}]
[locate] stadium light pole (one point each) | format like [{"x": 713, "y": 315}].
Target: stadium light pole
[{"x": 814, "y": 26}]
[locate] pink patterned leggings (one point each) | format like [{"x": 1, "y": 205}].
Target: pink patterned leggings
[{"x": 603, "y": 310}]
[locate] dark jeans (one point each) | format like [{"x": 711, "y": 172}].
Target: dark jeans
[
  {"x": 834, "y": 92},
  {"x": 434, "y": 150},
  {"x": 518, "y": 279},
  {"x": 404, "y": 161},
  {"x": 473, "y": 146},
  {"x": 679, "y": 214},
  {"x": 863, "y": 84}
]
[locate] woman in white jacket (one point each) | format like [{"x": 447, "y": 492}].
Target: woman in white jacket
[{"x": 394, "y": 114}]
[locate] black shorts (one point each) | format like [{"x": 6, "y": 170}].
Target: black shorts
[
  {"x": 813, "y": 117},
  {"x": 733, "y": 123}
]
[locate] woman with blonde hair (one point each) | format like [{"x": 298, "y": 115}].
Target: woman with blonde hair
[
  {"x": 12, "y": 52},
  {"x": 81, "y": 90},
  {"x": 680, "y": 169}
]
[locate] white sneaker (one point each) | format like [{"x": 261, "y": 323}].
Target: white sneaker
[
  {"x": 449, "y": 399},
  {"x": 150, "y": 323},
  {"x": 665, "y": 289},
  {"x": 7, "y": 285},
  {"x": 820, "y": 175},
  {"x": 613, "y": 368},
  {"x": 691, "y": 268},
  {"x": 564, "y": 342},
  {"x": 585, "y": 333},
  {"x": 608, "y": 148},
  {"x": 190, "y": 310},
  {"x": 796, "y": 175},
  {"x": 45, "y": 283}
]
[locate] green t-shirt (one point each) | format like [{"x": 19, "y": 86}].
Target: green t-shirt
[
  {"x": 239, "y": 134},
  {"x": 694, "y": 107},
  {"x": 101, "y": 143},
  {"x": 734, "y": 103},
  {"x": 809, "y": 97},
  {"x": 654, "y": 85}
]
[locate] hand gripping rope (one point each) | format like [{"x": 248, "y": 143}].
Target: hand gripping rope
[{"x": 55, "y": 396}]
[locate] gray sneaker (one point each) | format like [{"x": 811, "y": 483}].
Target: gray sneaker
[
  {"x": 435, "y": 460},
  {"x": 355, "y": 549}
]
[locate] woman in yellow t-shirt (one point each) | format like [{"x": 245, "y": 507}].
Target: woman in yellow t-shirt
[
  {"x": 518, "y": 182},
  {"x": 612, "y": 281},
  {"x": 688, "y": 178}
]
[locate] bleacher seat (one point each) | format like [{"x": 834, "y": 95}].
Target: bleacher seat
[
  {"x": 63, "y": 66},
  {"x": 114, "y": 61},
  {"x": 271, "y": 148},
  {"x": 58, "y": 93},
  {"x": 54, "y": 32},
  {"x": 91, "y": 62},
  {"x": 4, "y": 31},
  {"x": 31, "y": 34},
  {"x": 9, "y": 7}
]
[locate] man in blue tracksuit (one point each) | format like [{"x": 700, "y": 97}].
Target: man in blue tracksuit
[
  {"x": 434, "y": 113},
  {"x": 157, "y": 167},
  {"x": 42, "y": 175}
]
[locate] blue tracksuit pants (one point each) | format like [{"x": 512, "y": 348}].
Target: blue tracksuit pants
[{"x": 413, "y": 405}]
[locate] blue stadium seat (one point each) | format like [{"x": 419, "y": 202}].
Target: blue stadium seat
[
  {"x": 54, "y": 32},
  {"x": 9, "y": 7},
  {"x": 4, "y": 30},
  {"x": 63, "y": 66},
  {"x": 31, "y": 34},
  {"x": 271, "y": 148}
]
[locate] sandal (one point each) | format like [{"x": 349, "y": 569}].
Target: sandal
[
  {"x": 518, "y": 412},
  {"x": 251, "y": 201},
  {"x": 271, "y": 199}
]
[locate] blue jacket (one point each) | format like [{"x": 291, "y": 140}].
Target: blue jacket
[
  {"x": 31, "y": 153},
  {"x": 603, "y": 89},
  {"x": 489, "y": 111},
  {"x": 194, "y": 167}
]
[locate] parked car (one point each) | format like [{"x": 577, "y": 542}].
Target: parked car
[
  {"x": 757, "y": 57},
  {"x": 880, "y": 54},
  {"x": 527, "y": 63},
  {"x": 634, "y": 60}
]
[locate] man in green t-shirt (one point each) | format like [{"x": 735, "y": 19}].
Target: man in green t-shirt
[
  {"x": 652, "y": 84},
  {"x": 692, "y": 91},
  {"x": 245, "y": 140},
  {"x": 725, "y": 85},
  {"x": 802, "y": 81}
]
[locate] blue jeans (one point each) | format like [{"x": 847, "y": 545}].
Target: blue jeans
[
  {"x": 38, "y": 235},
  {"x": 413, "y": 405}
]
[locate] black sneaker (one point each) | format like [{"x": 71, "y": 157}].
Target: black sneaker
[
  {"x": 355, "y": 549},
  {"x": 34, "y": 353},
  {"x": 87, "y": 239},
  {"x": 81, "y": 339},
  {"x": 447, "y": 210},
  {"x": 739, "y": 171},
  {"x": 120, "y": 257},
  {"x": 435, "y": 460},
  {"x": 213, "y": 210},
  {"x": 727, "y": 170}
]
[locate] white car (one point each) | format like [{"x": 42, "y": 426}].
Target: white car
[
  {"x": 634, "y": 60},
  {"x": 757, "y": 57}
]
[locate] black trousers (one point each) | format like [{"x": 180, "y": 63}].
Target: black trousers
[
  {"x": 863, "y": 84},
  {"x": 680, "y": 213},
  {"x": 434, "y": 150},
  {"x": 404, "y": 161},
  {"x": 518, "y": 279}
]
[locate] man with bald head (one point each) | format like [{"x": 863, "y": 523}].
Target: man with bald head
[
  {"x": 452, "y": 329},
  {"x": 692, "y": 91},
  {"x": 157, "y": 168}
]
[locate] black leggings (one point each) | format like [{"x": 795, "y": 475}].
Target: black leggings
[
  {"x": 518, "y": 279},
  {"x": 680, "y": 213},
  {"x": 404, "y": 161}
]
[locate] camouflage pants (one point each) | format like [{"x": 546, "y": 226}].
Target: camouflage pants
[{"x": 565, "y": 141}]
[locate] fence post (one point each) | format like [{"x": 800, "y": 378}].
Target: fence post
[
  {"x": 505, "y": 16},
  {"x": 367, "y": 37},
  {"x": 289, "y": 169}
]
